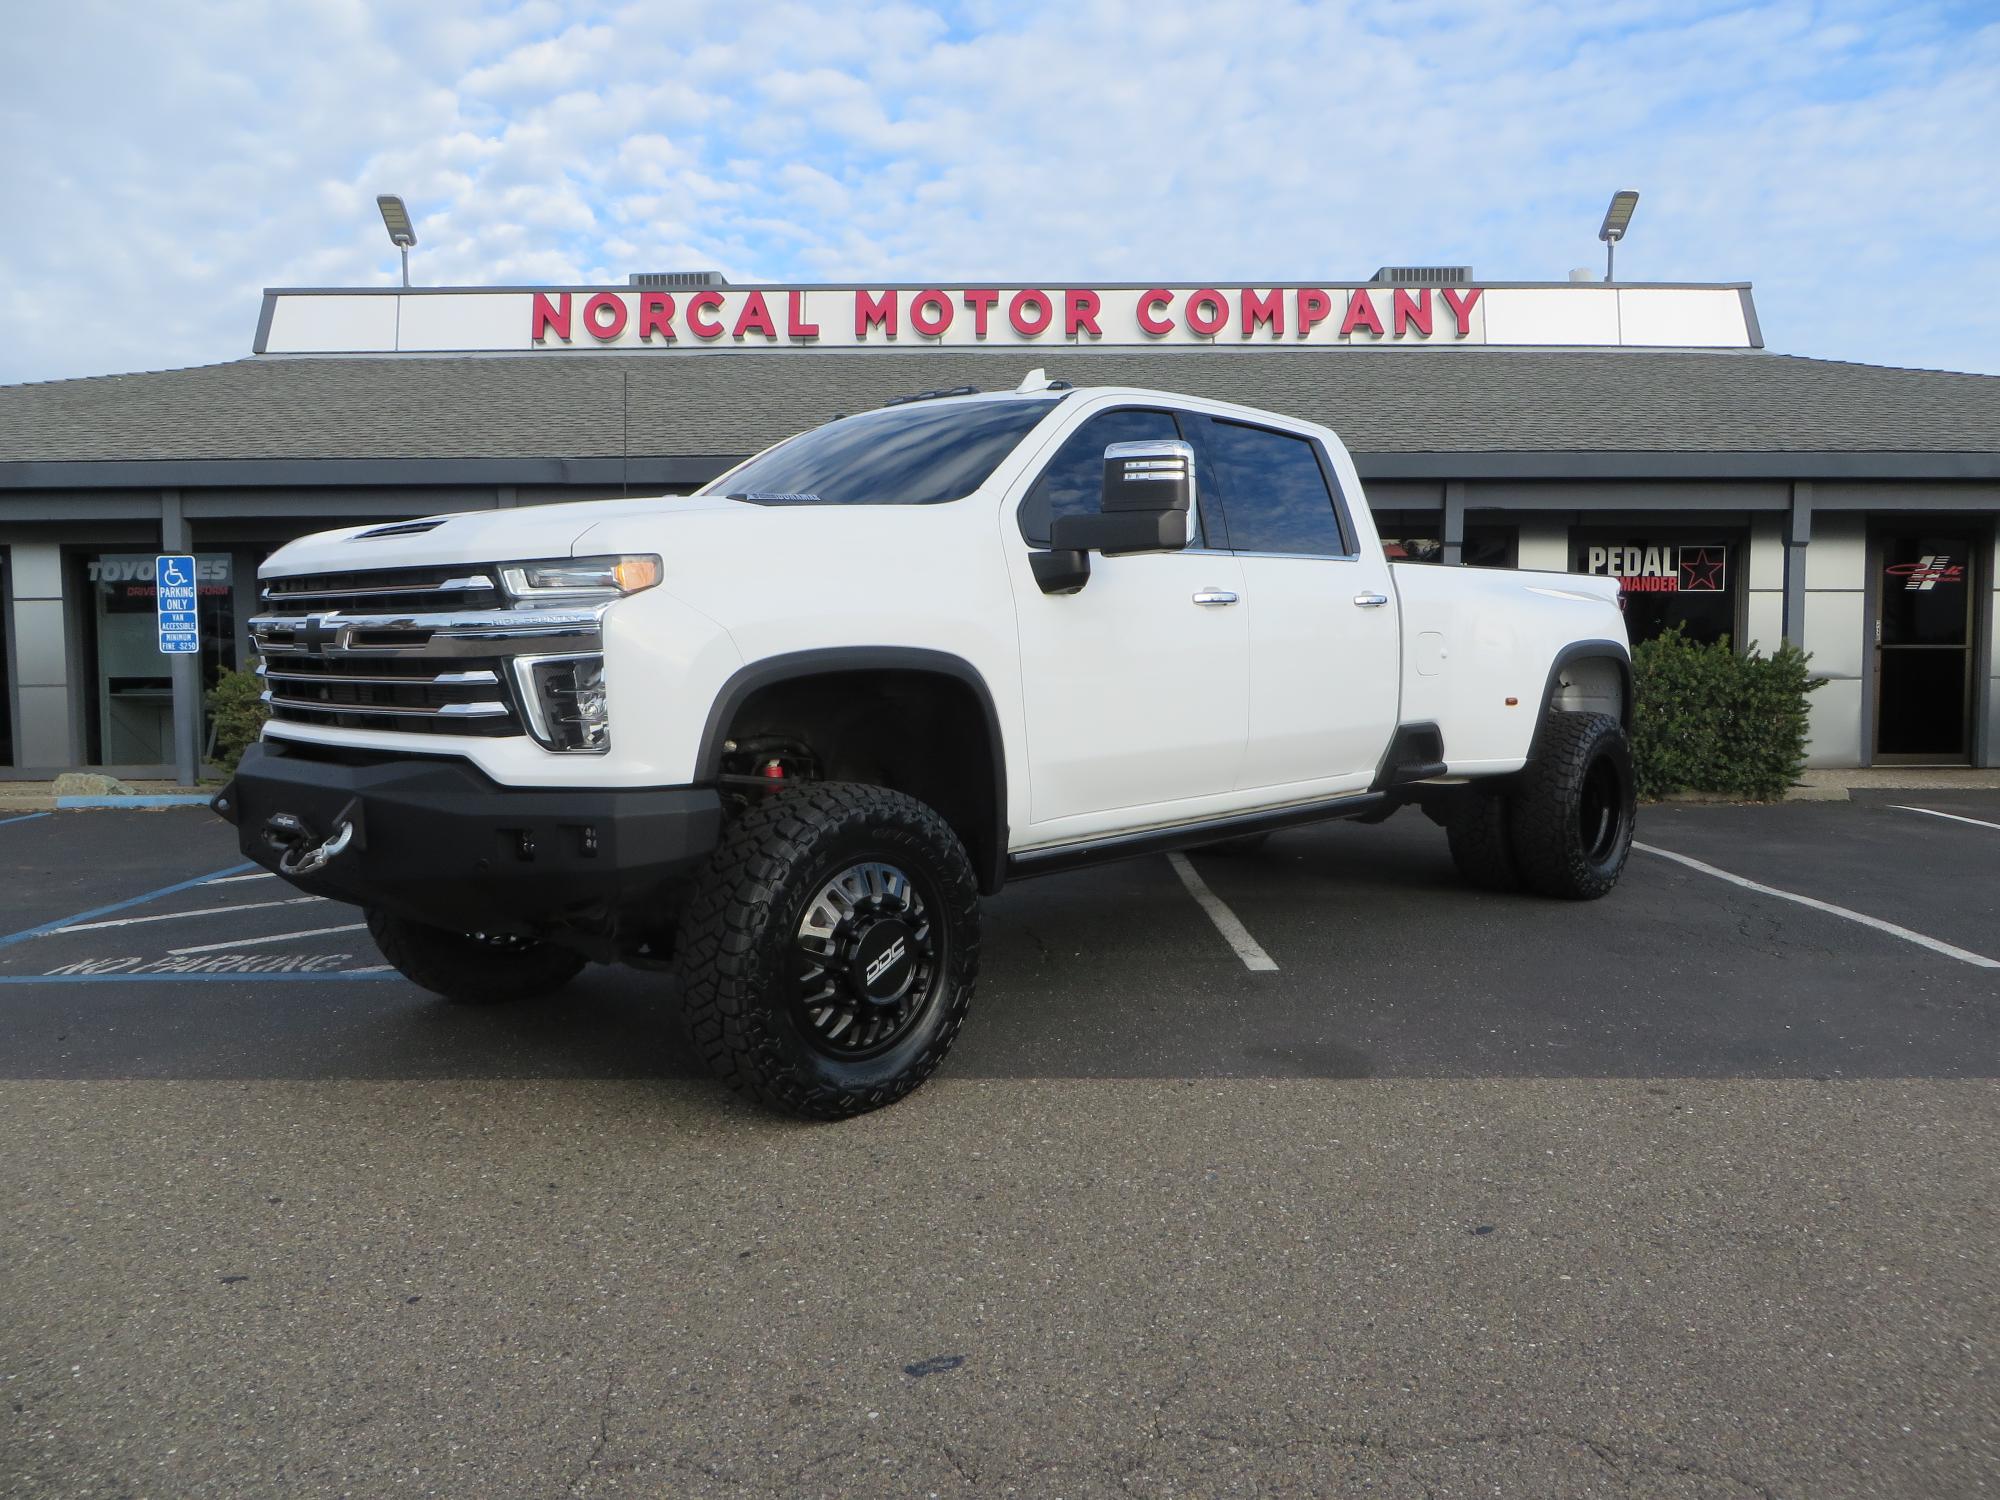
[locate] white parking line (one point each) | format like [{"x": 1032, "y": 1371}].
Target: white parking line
[
  {"x": 1964, "y": 956},
  {"x": 276, "y": 937},
  {"x": 1233, "y": 931},
  {"x": 227, "y": 879},
  {"x": 170, "y": 916},
  {"x": 1934, "y": 813}
]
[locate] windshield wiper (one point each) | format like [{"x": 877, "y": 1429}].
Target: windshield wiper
[{"x": 776, "y": 497}]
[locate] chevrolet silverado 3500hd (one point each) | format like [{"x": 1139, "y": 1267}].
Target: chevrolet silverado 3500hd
[{"x": 780, "y": 735}]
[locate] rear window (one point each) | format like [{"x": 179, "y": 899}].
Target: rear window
[
  {"x": 921, "y": 454},
  {"x": 1275, "y": 491}
]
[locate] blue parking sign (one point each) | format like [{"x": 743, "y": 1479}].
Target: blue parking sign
[{"x": 174, "y": 598}]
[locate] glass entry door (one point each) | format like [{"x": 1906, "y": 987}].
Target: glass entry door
[{"x": 1923, "y": 646}]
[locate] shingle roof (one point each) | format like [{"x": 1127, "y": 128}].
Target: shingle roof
[{"x": 1382, "y": 402}]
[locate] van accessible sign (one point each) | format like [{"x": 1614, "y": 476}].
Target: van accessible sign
[
  {"x": 748, "y": 318},
  {"x": 174, "y": 603}
]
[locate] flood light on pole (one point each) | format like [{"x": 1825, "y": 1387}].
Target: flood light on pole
[
  {"x": 1616, "y": 219},
  {"x": 402, "y": 233}
]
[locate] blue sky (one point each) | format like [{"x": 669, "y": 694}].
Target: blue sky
[{"x": 168, "y": 161}]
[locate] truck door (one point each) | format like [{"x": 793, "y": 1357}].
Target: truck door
[
  {"x": 1134, "y": 686},
  {"x": 1325, "y": 654}
]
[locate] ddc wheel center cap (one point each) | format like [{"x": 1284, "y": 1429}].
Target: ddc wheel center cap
[{"x": 884, "y": 961}]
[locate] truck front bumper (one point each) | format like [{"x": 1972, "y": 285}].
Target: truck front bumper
[{"x": 437, "y": 842}]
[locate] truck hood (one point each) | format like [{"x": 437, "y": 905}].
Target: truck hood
[{"x": 477, "y": 536}]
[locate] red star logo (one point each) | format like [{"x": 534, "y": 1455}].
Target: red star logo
[{"x": 1701, "y": 569}]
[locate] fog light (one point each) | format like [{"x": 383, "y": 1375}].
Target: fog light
[{"x": 564, "y": 701}]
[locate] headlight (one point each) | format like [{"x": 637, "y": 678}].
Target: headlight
[
  {"x": 571, "y": 578},
  {"x": 563, "y": 697}
]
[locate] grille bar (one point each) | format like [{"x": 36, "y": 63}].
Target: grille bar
[
  {"x": 471, "y": 583},
  {"x": 479, "y": 710},
  {"x": 435, "y": 679}
]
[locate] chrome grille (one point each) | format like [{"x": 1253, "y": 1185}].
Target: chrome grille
[
  {"x": 418, "y": 650},
  {"x": 462, "y": 695},
  {"x": 385, "y": 589}
]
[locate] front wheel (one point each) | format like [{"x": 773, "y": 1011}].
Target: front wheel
[
  {"x": 472, "y": 968},
  {"x": 1574, "y": 809},
  {"x": 829, "y": 952}
]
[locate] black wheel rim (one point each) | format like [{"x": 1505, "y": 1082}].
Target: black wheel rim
[
  {"x": 1601, "y": 810},
  {"x": 869, "y": 959}
]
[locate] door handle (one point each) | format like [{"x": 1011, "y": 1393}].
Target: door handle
[
  {"x": 1371, "y": 601},
  {"x": 1214, "y": 596}
]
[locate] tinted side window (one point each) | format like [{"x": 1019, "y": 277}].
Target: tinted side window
[
  {"x": 1274, "y": 490},
  {"x": 1074, "y": 480}
]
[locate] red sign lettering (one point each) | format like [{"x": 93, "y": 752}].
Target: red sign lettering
[
  {"x": 656, "y": 314},
  {"x": 1462, "y": 304},
  {"x": 755, "y": 318},
  {"x": 871, "y": 312},
  {"x": 1361, "y": 314},
  {"x": 1407, "y": 308},
  {"x": 980, "y": 300},
  {"x": 1208, "y": 323},
  {"x": 705, "y": 328},
  {"x": 1157, "y": 297},
  {"x": 1080, "y": 311},
  {"x": 546, "y": 317},
  {"x": 603, "y": 302},
  {"x": 930, "y": 312},
  {"x": 1017, "y": 313},
  {"x": 1269, "y": 308}
]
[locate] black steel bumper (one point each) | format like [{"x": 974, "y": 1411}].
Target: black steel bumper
[{"x": 436, "y": 841}]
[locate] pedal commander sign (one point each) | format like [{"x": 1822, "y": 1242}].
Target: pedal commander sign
[
  {"x": 792, "y": 317},
  {"x": 1640, "y": 569}
]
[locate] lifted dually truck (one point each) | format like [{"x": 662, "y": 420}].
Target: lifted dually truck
[{"x": 779, "y": 736}]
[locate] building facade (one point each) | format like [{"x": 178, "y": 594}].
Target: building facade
[{"x": 1641, "y": 432}]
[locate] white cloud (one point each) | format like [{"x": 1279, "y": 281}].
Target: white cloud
[{"x": 178, "y": 159}]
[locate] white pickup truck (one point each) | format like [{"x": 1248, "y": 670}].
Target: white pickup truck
[{"x": 780, "y": 736}]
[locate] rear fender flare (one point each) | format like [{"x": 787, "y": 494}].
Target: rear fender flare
[{"x": 1576, "y": 653}]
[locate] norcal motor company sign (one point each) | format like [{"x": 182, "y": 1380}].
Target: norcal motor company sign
[
  {"x": 1016, "y": 315},
  {"x": 445, "y": 320}
]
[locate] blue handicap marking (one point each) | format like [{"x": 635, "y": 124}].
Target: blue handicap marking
[{"x": 174, "y": 598}]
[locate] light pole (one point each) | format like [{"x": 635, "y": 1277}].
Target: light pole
[
  {"x": 1616, "y": 218},
  {"x": 402, "y": 233}
]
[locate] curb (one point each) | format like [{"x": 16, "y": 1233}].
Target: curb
[
  {"x": 96, "y": 804},
  {"x": 1724, "y": 799}
]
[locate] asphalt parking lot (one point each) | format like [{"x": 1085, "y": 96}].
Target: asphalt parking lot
[{"x": 1685, "y": 1192}]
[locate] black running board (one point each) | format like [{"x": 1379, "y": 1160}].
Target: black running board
[{"x": 1189, "y": 835}]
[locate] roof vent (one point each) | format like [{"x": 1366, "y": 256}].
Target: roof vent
[
  {"x": 1422, "y": 276},
  {"x": 401, "y": 528},
  {"x": 677, "y": 279}
]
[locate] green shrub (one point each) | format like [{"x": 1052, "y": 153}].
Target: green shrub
[
  {"x": 239, "y": 715},
  {"x": 1705, "y": 719}
]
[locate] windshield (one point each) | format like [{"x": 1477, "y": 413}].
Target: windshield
[{"x": 920, "y": 454}]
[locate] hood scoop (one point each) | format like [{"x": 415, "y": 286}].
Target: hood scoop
[{"x": 400, "y": 528}]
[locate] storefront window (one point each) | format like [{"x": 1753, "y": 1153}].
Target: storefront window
[
  {"x": 131, "y": 707},
  {"x": 6, "y": 666},
  {"x": 1667, "y": 578},
  {"x": 1485, "y": 546}
]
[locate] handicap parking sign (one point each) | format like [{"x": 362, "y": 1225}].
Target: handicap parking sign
[{"x": 174, "y": 598}]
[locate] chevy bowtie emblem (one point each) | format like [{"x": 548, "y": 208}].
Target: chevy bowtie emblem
[{"x": 317, "y": 632}]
